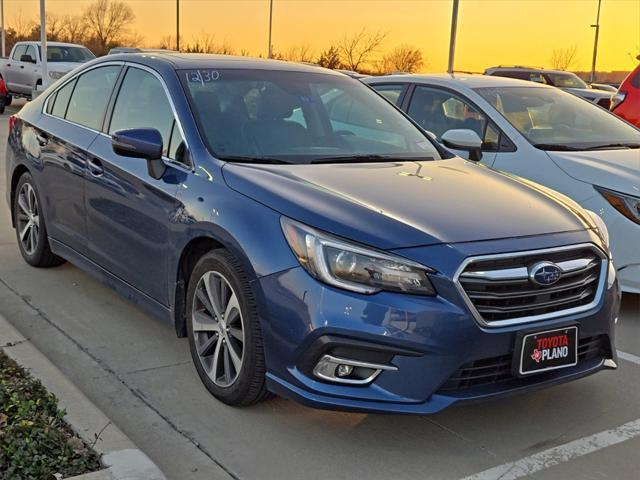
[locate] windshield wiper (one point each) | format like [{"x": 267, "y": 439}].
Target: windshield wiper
[
  {"x": 614, "y": 146},
  {"x": 557, "y": 147},
  {"x": 265, "y": 160},
  {"x": 357, "y": 159}
]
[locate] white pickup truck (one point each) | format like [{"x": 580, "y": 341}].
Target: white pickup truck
[{"x": 22, "y": 70}]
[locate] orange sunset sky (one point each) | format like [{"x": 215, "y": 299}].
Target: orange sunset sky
[{"x": 490, "y": 32}]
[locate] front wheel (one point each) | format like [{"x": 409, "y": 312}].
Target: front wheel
[
  {"x": 224, "y": 331},
  {"x": 8, "y": 99},
  {"x": 30, "y": 228}
]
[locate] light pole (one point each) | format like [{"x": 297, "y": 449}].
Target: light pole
[
  {"x": 270, "y": 27},
  {"x": 595, "y": 45},
  {"x": 2, "y": 16},
  {"x": 452, "y": 39},
  {"x": 178, "y": 25},
  {"x": 43, "y": 44}
]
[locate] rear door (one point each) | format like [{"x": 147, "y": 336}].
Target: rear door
[
  {"x": 73, "y": 116},
  {"x": 129, "y": 213}
]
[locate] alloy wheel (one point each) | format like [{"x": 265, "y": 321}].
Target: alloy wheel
[
  {"x": 218, "y": 329},
  {"x": 28, "y": 219}
]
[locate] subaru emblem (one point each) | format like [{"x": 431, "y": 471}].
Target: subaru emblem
[{"x": 545, "y": 274}]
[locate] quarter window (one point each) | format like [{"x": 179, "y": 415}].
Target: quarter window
[
  {"x": 91, "y": 96},
  {"x": 59, "y": 103},
  {"x": 143, "y": 103}
]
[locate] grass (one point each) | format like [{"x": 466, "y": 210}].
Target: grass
[{"x": 35, "y": 442}]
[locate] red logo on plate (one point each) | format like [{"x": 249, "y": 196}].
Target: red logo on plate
[{"x": 536, "y": 355}]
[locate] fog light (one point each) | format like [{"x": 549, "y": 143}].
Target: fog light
[{"x": 343, "y": 370}]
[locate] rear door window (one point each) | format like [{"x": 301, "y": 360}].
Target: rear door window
[
  {"x": 391, "y": 92},
  {"x": 91, "y": 96}
]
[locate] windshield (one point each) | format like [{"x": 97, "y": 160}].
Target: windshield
[
  {"x": 299, "y": 117},
  {"x": 56, "y": 53},
  {"x": 555, "y": 120},
  {"x": 566, "y": 80}
]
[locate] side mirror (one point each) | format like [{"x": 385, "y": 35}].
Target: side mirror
[
  {"x": 27, "y": 58},
  {"x": 145, "y": 143},
  {"x": 466, "y": 140}
]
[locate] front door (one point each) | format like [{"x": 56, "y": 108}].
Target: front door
[
  {"x": 438, "y": 110},
  {"x": 129, "y": 213}
]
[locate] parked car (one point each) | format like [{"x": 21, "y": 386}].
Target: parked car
[
  {"x": 626, "y": 102},
  {"x": 116, "y": 50},
  {"x": 603, "y": 86},
  {"x": 308, "y": 238},
  {"x": 22, "y": 71},
  {"x": 539, "y": 133},
  {"x": 567, "y": 81}
]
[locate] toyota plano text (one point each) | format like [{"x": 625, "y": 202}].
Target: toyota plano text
[{"x": 307, "y": 237}]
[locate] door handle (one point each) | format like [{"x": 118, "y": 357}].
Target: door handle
[
  {"x": 43, "y": 140},
  {"x": 95, "y": 167},
  {"x": 21, "y": 66}
]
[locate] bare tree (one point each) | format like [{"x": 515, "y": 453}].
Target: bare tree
[
  {"x": 75, "y": 28},
  {"x": 55, "y": 27},
  {"x": 108, "y": 23},
  {"x": 330, "y": 58},
  {"x": 206, "y": 43},
  {"x": 403, "y": 58},
  {"x": 299, "y": 53},
  {"x": 24, "y": 28},
  {"x": 357, "y": 49},
  {"x": 564, "y": 58}
]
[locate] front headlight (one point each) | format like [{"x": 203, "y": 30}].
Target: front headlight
[
  {"x": 601, "y": 226},
  {"x": 627, "y": 205},
  {"x": 56, "y": 75},
  {"x": 354, "y": 267}
]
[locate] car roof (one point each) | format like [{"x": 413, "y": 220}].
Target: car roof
[
  {"x": 52, "y": 44},
  {"x": 528, "y": 69},
  {"x": 204, "y": 60},
  {"x": 459, "y": 80}
]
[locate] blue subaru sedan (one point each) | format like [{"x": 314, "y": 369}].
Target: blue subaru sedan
[{"x": 307, "y": 237}]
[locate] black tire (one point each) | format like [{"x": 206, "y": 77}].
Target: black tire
[
  {"x": 41, "y": 256},
  {"x": 249, "y": 386},
  {"x": 7, "y": 100}
]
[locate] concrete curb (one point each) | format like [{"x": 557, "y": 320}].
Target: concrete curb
[{"x": 122, "y": 459}]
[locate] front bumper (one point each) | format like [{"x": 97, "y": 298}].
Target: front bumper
[{"x": 431, "y": 338}]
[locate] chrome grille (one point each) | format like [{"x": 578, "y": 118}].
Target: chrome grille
[{"x": 499, "y": 291}]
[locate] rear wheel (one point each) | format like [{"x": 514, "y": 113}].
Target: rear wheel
[
  {"x": 30, "y": 228},
  {"x": 224, "y": 331}
]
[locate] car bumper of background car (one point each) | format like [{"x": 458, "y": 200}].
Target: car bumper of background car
[
  {"x": 440, "y": 354},
  {"x": 623, "y": 234}
]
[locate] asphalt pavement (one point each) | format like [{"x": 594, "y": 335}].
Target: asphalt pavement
[{"x": 137, "y": 372}]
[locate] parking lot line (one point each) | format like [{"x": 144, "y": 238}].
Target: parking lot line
[
  {"x": 629, "y": 357},
  {"x": 563, "y": 453}
]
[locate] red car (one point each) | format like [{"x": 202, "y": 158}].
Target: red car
[{"x": 626, "y": 103}]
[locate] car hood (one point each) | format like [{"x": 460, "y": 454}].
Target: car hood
[
  {"x": 63, "y": 67},
  {"x": 402, "y": 204},
  {"x": 614, "y": 169},
  {"x": 590, "y": 93}
]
